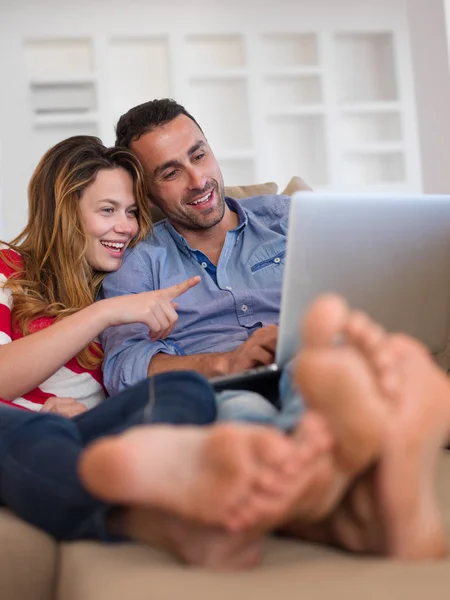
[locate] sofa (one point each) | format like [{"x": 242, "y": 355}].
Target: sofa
[{"x": 35, "y": 567}]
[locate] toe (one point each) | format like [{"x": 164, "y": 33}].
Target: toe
[{"x": 324, "y": 321}]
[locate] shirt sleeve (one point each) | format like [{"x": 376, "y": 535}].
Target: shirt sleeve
[
  {"x": 5, "y": 306},
  {"x": 128, "y": 348}
]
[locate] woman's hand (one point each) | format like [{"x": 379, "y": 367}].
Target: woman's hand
[
  {"x": 66, "y": 407},
  {"x": 155, "y": 309}
]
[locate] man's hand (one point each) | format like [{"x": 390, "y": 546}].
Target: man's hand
[
  {"x": 259, "y": 349},
  {"x": 66, "y": 407}
]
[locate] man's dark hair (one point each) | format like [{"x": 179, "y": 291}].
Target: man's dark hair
[{"x": 146, "y": 117}]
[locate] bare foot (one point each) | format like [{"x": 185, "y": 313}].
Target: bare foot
[
  {"x": 336, "y": 381},
  {"x": 420, "y": 428},
  {"x": 193, "y": 544},
  {"x": 314, "y": 436},
  {"x": 392, "y": 508},
  {"x": 232, "y": 476}
]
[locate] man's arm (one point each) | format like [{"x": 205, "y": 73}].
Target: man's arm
[
  {"x": 209, "y": 365},
  {"x": 259, "y": 349}
]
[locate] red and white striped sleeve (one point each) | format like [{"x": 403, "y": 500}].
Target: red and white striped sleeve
[{"x": 5, "y": 301}]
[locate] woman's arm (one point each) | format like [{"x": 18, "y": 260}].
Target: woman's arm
[{"x": 27, "y": 362}]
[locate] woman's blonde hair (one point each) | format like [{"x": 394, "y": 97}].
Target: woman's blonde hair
[{"x": 54, "y": 278}]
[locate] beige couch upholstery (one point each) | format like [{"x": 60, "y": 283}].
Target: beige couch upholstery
[{"x": 34, "y": 567}]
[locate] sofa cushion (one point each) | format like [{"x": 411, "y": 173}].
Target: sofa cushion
[
  {"x": 296, "y": 184},
  {"x": 28, "y": 560},
  {"x": 91, "y": 571}
]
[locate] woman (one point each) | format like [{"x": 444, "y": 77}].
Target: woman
[{"x": 87, "y": 204}]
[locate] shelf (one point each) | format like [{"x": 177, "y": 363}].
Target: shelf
[
  {"x": 137, "y": 70},
  {"x": 282, "y": 92},
  {"x": 57, "y": 97},
  {"x": 296, "y": 145},
  {"x": 43, "y": 138},
  {"x": 231, "y": 155},
  {"x": 365, "y": 67},
  {"x": 224, "y": 110},
  {"x": 46, "y": 80},
  {"x": 370, "y": 107},
  {"x": 296, "y": 72},
  {"x": 237, "y": 172},
  {"x": 382, "y": 148},
  {"x": 225, "y": 74},
  {"x": 214, "y": 52},
  {"x": 55, "y": 58},
  {"x": 290, "y": 50},
  {"x": 298, "y": 111},
  {"x": 65, "y": 119},
  {"x": 361, "y": 170},
  {"x": 372, "y": 128}
]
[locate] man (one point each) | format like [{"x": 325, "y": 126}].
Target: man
[{"x": 228, "y": 324}]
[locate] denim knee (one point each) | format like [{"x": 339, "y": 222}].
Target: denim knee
[{"x": 181, "y": 398}]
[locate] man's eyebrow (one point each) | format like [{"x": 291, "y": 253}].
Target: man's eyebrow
[
  {"x": 196, "y": 147},
  {"x": 175, "y": 163}
]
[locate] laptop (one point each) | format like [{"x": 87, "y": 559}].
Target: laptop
[{"x": 388, "y": 255}]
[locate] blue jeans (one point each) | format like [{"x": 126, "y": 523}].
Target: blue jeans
[
  {"x": 39, "y": 452},
  {"x": 251, "y": 407}
]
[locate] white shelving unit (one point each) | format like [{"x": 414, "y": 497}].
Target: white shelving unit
[
  {"x": 327, "y": 106},
  {"x": 217, "y": 94},
  {"x": 295, "y": 117},
  {"x": 370, "y": 110},
  {"x": 62, "y": 91}
]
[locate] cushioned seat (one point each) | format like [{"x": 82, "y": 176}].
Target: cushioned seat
[
  {"x": 28, "y": 559},
  {"x": 91, "y": 571}
]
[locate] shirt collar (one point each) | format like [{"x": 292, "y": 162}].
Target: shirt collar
[{"x": 233, "y": 204}]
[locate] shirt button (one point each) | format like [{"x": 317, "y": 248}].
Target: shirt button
[
  {"x": 204, "y": 265},
  {"x": 244, "y": 308},
  {"x": 277, "y": 260},
  {"x": 228, "y": 287}
]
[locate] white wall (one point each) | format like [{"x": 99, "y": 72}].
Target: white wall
[
  {"x": 429, "y": 25},
  {"x": 25, "y": 19}
]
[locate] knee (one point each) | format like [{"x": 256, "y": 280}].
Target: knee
[{"x": 190, "y": 392}]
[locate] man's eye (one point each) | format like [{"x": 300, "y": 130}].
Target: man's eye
[
  {"x": 198, "y": 157},
  {"x": 108, "y": 209},
  {"x": 170, "y": 175}
]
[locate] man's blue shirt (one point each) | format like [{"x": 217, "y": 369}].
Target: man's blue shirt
[{"x": 236, "y": 297}]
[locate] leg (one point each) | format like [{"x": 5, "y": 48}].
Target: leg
[
  {"x": 176, "y": 398},
  {"x": 245, "y": 406},
  {"x": 291, "y": 402},
  {"x": 38, "y": 475},
  {"x": 39, "y": 456}
]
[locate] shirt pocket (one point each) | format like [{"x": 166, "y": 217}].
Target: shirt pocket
[{"x": 274, "y": 260}]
